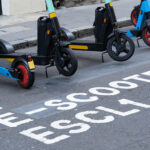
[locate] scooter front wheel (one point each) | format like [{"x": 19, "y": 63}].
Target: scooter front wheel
[
  {"x": 66, "y": 62},
  {"x": 121, "y": 51},
  {"x": 26, "y": 77},
  {"x": 146, "y": 36}
]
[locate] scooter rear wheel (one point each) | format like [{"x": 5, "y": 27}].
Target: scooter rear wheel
[
  {"x": 26, "y": 77},
  {"x": 134, "y": 17},
  {"x": 123, "y": 51},
  {"x": 146, "y": 36},
  {"x": 66, "y": 62}
]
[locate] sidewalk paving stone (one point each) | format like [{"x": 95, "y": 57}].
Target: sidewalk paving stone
[{"x": 22, "y": 29}]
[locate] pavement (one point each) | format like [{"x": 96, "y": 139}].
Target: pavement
[
  {"x": 99, "y": 108},
  {"x": 21, "y": 30}
]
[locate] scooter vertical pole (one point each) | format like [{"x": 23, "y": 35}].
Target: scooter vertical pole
[
  {"x": 53, "y": 18},
  {"x": 110, "y": 10}
]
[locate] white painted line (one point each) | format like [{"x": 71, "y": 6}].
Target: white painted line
[
  {"x": 36, "y": 111},
  {"x": 6, "y": 115}
]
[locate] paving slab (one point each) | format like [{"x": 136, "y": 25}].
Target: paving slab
[{"x": 79, "y": 20}]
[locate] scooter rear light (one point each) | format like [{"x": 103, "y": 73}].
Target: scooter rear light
[{"x": 29, "y": 58}]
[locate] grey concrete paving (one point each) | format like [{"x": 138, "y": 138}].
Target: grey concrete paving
[
  {"x": 125, "y": 133},
  {"x": 23, "y": 29}
]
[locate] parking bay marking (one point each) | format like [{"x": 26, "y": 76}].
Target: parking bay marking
[
  {"x": 82, "y": 116},
  {"x": 35, "y": 109},
  {"x": 38, "y": 110}
]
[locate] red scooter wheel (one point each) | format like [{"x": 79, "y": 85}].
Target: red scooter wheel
[
  {"x": 134, "y": 17},
  {"x": 146, "y": 36},
  {"x": 26, "y": 77}
]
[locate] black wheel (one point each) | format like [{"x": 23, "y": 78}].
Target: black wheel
[
  {"x": 134, "y": 16},
  {"x": 66, "y": 62},
  {"x": 26, "y": 77},
  {"x": 146, "y": 36},
  {"x": 123, "y": 51}
]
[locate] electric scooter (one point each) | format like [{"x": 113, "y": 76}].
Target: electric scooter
[
  {"x": 108, "y": 39},
  {"x": 22, "y": 67},
  {"x": 142, "y": 30},
  {"x": 52, "y": 49}
]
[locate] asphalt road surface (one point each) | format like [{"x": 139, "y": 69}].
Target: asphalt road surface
[{"x": 104, "y": 106}]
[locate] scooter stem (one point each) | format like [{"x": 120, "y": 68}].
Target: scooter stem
[
  {"x": 51, "y": 9},
  {"x": 50, "y": 6},
  {"x": 107, "y": 1}
]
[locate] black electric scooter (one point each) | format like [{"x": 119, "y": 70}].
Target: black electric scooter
[
  {"x": 52, "y": 50},
  {"x": 108, "y": 39},
  {"x": 22, "y": 67}
]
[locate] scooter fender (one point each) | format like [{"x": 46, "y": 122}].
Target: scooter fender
[
  {"x": 19, "y": 60},
  {"x": 67, "y": 34},
  {"x": 5, "y": 47},
  {"x": 113, "y": 34},
  {"x": 147, "y": 24}
]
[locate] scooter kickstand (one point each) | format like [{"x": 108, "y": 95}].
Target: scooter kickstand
[
  {"x": 46, "y": 73},
  {"x": 46, "y": 68},
  {"x": 138, "y": 41},
  {"x": 105, "y": 52}
]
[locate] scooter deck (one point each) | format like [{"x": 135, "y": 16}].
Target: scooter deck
[
  {"x": 37, "y": 59},
  {"x": 86, "y": 45},
  {"x": 13, "y": 55},
  {"x": 133, "y": 33}
]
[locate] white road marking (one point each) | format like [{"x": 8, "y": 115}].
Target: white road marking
[
  {"x": 36, "y": 111},
  {"x": 111, "y": 91},
  {"x": 138, "y": 78},
  {"x": 123, "y": 114},
  {"x": 129, "y": 102},
  {"x": 72, "y": 98},
  {"x": 66, "y": 124},
  {"x": 83, "y": 117},
  {"x": 42, "y": 137},
  {"x": 123, "y": 85},
  {"x": 7, "y": 121},
  {"x": 61, "y": 105}
]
